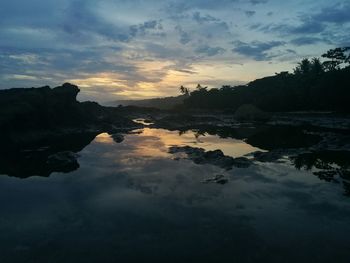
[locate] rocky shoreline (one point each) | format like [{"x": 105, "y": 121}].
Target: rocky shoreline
[{"x": 42, "y": 129}]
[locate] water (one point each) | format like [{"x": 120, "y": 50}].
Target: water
[{"x": 132, "y": 202}]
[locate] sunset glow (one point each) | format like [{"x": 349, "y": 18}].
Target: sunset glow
[{"x": 141, "y": 49}]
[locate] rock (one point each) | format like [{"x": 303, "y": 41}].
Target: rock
[
  {"x": 117, "y": 137},
  {"x": 219, "y": 179},
  {"x": 187, "y": 149},
  {"x": 32, "y": 118},
  {"x": 222, "y": 181},
  {"x": 242, "y": 162},
  {"x": 267, "y": 157},
  {"x": 63, "y": 161},
  {"x": 216, "y": 157},
  {"x": 47, "y": 109}
]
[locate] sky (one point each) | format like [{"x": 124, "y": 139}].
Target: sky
[{"x": 135, "y": 49}]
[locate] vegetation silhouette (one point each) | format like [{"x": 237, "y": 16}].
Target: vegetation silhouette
[
  {"x": 313, "y": 86},
  {"x": 332, "y": 166}
]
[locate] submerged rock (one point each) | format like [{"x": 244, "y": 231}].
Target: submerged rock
[
  {"x": 267, "y": 157},
  {"x": 219, "y": 179},
  {"x": 117, "y": 137},
  {"x": 242, "y": 162},
  {"x": 216, "y": 157}
]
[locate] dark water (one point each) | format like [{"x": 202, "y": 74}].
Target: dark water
[{"x": 132, "y": 202}]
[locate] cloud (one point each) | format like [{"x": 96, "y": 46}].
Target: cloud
[
  {"x": 249, "y": 13},
  {"x": 142, "y": 29},
  {"x": 257, "y": 50},
  {"x": 256, "y": 2},
  {"x": 337, "y": 14},
  {"x": 186, "y": 71},
  {"x": 209, "y": 51},
  {"x": 180, "y": 6},
  {"x": 81, "y": 20},
  {"x": 305, "y": 40},
  {"x": 136, "y": 44},
  {"x": 203, "y": 19},
  {"x": 311, "y": 25},
  {"x": 184, "y": 36},
  {"x": 307, "y": 26}
]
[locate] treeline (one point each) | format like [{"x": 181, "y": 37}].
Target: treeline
[{"x": 313, "y": 86}]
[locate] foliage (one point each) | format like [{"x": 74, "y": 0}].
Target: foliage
[
  {"x": 184, "y": 91},
  {"x": 337, "y": 56},
  {"x": 314, "y": 86}
]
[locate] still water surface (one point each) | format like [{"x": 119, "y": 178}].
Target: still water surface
[{"x": 132, "y": 202}]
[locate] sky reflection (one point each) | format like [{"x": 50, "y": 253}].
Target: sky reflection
[
  {"x": 165, "y": 138},
  {"x": 131, "y": 201}
]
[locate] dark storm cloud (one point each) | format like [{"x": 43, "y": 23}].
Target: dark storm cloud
[{"x": 256, "y": 50}]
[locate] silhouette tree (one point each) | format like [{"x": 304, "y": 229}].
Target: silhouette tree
[
  {"x": 337, "y": 56},
  {"x": 184, "y": 91},
  {"x": 307, "y": 89},
  {"x": 316, "y": 66},
  {"x": 200, "y": 88},
  {"x": 304, "y": 67},
  {"x": 347, "y": 58}
]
